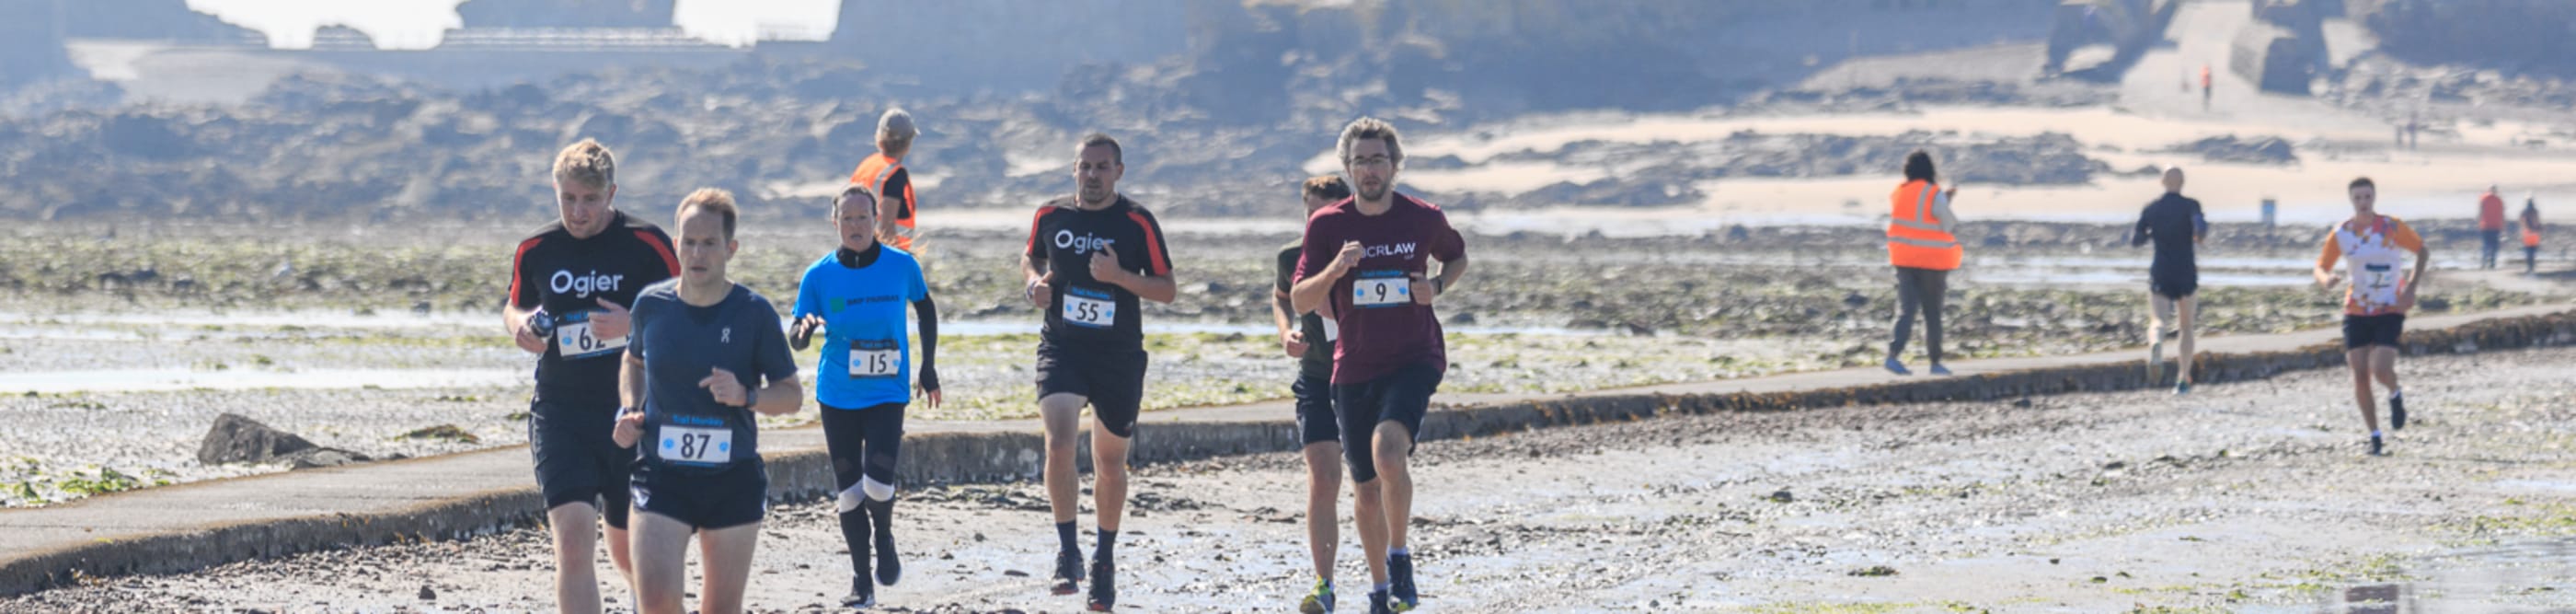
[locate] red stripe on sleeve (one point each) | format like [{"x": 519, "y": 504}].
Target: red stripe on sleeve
[
  {"x": 661, "y": 249},
  {"x": 518, "y": 264},
  {"x": 1154, "y": 259},
  {"x": 1034, "y": 223}
]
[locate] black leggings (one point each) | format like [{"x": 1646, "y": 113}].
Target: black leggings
[{"x": 863, "y": 442}]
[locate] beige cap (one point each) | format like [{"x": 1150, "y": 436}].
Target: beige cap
[{"x": 896, "y": 125}]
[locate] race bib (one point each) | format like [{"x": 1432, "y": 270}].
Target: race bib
[
  {"x": 573, "y": 338},
  {"x": 1332, "y": 330},
  {"x": 1381, "y": 289},
  {"x": 697, "y": 446},
  {"x": 875, "y": 358},
  {"x": 1088, "y": 307},
  {"x": 2376, "y": 277}
]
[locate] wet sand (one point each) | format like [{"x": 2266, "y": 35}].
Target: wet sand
[{"x": 2248, "y": 496}]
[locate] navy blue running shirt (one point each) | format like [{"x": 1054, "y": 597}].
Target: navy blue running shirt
[{"x": 680, "y": 345}]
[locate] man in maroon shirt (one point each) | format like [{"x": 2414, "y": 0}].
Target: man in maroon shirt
[{"x": 1370, "y": 257}]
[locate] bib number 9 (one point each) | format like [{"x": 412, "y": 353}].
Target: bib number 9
[
  {"x": 698, "y": 446},
  {"x": 1381, "y": 289}
]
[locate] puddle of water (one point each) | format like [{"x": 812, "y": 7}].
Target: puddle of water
[
  {"x": 166, "y": 380},
  {"x": 2536, "y": 576}
]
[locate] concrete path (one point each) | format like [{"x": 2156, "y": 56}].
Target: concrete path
[{"x": 190, "y": 526}]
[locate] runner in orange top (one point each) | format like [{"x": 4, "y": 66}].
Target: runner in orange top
[{"x": 2374, "y": 307}]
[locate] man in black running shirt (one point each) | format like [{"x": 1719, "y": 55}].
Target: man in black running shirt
[
  {"x": 570, "y": 286},
  {"x": 1091, "y": 260},
  {"x": 2175, "y": 224}
]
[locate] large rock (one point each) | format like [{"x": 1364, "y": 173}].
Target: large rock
[
  {"x": 237, "y": 439},
  {"x": 2229, "y": 148},
  {"x": 2276, "y": 59}
]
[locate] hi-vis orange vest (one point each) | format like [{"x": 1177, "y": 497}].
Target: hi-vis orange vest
[
  {"x": 873, "y": 172},
  {"x": 1914, "y": 237}
]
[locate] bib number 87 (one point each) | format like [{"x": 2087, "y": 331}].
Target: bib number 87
[{"x": 702, "y": 446}]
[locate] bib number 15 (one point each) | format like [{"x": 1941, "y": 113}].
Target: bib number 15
[{"x": 875, "y": 358}]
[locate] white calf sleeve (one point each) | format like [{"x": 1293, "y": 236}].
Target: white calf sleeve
[
  {"x": 880, "y": 491},
  {"x": 849, "y": 500}
]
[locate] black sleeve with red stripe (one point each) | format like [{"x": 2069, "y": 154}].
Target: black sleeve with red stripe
[
  {"x": 653, "y": 237},
  {"x": 1037, "y": 225},
  {"x": 1158, "y": 261},
  {"x": 522, "y": 294}
]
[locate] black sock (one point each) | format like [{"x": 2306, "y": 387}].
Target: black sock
[
  {"x": 1064, "y": 538},
  {"x": 1108, "y": 546},
  {"x": 881, "y": 516},
  {"x": 854, "y": 531}
]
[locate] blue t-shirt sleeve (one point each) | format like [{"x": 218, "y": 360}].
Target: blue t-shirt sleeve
[
  {"x": 637, "y": 318},
  {"x": 770, "y": 356},
  {"x": 915, "y": 288},
  {"x": 809, "y": 297}
]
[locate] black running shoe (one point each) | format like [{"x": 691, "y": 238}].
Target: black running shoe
[
  {"x": 2375, "y": 449},
  {"x": 2397, "y": 411},
  {"x": 889, "y": 567},
  {"x": 862, "y": 594},
  {"x": 1399, "y": 576},
  {"x": 1068, "y": 572},
  {"x": 1104, "y": 589},
  {"x": 1379, "y": 602}
]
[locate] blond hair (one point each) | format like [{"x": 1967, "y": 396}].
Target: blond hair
[
  {"x": 1373, "y": 128},
  {"x": 587, "y": 162},
  {"x": 895, "y": 131},
  {"x": 711, "y": 199}
]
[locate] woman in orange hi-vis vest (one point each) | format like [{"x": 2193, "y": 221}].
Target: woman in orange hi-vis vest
[
  {"x": 883, "y": 173},
  {"x": 1921, "y": 246}
]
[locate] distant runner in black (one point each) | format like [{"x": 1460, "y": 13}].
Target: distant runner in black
[{"x": 2175, "y": 224}]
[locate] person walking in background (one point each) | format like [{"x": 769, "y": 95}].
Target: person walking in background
[
  {"x": 885, "y": 177},
  {"x": 1921, "y": 244},
  {"x": 2204, "y": 87},
  {"x": 2531, "y": 234},
  {"x": 2490, "y": 227}
]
